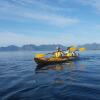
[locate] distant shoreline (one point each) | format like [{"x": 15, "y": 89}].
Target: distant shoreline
[
  {"x": 49, "y": 47},
  {"x": 39, "y": 51}
]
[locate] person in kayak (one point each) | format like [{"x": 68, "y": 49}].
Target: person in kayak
[
  {"x": 59, "y": 53},
  {"x": 76, "y": 53},
  {"x": 70, "y": 53}
]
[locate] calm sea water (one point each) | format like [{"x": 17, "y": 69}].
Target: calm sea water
[{"x": 20, "y": 79}]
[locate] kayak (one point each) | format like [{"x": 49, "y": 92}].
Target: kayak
[{"x": 49, "y": 61}]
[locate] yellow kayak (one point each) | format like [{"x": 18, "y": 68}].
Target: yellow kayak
[{"x": 48, "y": 61}]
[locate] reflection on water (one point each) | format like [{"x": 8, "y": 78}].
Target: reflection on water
[
  {"x": 59, "y": 79},
  {"x": 69, "y": 64}
]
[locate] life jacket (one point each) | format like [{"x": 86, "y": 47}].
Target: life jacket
[
  {"x": 58, "y": 54},
  {"x": 69, "y": 54}
]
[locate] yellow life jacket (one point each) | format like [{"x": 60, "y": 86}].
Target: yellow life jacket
[
  {"x": 58, "y": 54},
  {"x": 69, "y": 54}
]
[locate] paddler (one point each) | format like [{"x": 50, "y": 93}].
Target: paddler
[
  {"x": 59, "y": 53},
  {"x": 69, "y": 53}
]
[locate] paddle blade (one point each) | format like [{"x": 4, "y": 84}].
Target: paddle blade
[
  {"x": 82, "y": 49},
  {"x": 73, "y": 49},
  {"x": 39, "y": 55}
]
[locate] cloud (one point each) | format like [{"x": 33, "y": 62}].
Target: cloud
[
  {"x": 93, "y": 3},
  {"x": 98, "y": 26},
  {"x": 52, "y": 19},
  {"x": 23, "y": 12},
  {"x": 36, "y": 4},
  {"x": 11, "y": 38},
  {"x": 44, "y": 4}
]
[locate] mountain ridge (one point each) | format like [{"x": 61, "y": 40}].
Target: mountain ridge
[{"x": 43, "y": 47}]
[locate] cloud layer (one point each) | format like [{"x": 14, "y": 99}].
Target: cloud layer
[
  {"x": 47, "y": 21},
  {"x": 18, "y": 9}
]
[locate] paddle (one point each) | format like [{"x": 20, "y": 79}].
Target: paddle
[
  {"x": 72, "y": 49},
  {"x": 40, "y": 55},
  {"x": 76, "y": 49},
  {"x": 82, "y": 49}
]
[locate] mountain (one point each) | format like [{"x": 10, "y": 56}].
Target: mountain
[
  {"x": 9, "y": 48},
  {"x": 93, "y": 46},
  {"x": 31, "y": 47}
]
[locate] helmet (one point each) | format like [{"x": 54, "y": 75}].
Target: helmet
[{"x": 68, "y": 48}]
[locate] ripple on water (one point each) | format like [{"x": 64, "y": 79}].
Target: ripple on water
[{"x": 21, "y": 80}]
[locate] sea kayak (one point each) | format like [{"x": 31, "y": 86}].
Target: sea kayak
[{"x": 48, "y": 61}]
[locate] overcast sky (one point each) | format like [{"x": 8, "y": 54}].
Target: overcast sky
[{"x": 49, "y": 22}]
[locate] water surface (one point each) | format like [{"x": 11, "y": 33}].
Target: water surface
[{"x": 20, "y": 79}]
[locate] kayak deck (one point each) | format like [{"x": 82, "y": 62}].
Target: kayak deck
[{"x": 48, "y": 61}]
